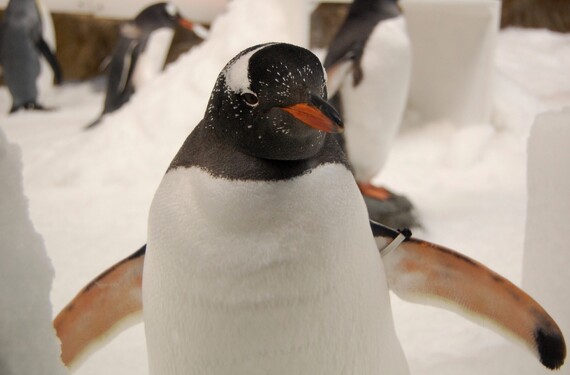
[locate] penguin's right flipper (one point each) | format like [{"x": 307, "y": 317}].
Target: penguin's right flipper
[
  {"x": 129, "y": 61},
  {"x": 43, "y": 47},
  {"x": 129, "y": 44},
  {"x": 120, "y": 73},
  {"x": 101, "y": 309},
  {"x": 423, "y": 272},
  {"x": 336, "y": 74}
]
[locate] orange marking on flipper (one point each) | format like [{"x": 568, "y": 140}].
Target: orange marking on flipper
[
  {"x": 422, "y": 269},
  {"x": 110, "y": 298}
]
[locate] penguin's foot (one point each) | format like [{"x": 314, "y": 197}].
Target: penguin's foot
[
  {"x": 388, "y": 208},
  {"x": 30, "y": 106}
]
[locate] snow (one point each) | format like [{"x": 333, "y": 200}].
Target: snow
[
  {"x": 27, "y": 339},
  {"x": 90, "y": 191},
  {"x": 546, "y": 255}
]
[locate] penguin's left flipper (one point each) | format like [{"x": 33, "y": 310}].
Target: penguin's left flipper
[
  {"x": 420, "y": 271},
  {"x": 342, "y": 61},
  {"x": 46, "y": 51},
  {"x": 102, "y": 309}
]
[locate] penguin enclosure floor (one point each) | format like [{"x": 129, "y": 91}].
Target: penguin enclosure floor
[{"x": 89, "y": 191}]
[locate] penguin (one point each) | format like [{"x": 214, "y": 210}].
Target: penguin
[
  {"x": 126, "y": 68},
  {"x": 369, "y": 68},
  {"x": 261, "y": 258},
  {"x": 21, "y": 43}
]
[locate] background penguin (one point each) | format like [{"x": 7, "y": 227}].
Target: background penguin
[
  {"x": 21, "y": 42},
  {"x": 261, "y": 258},
  {"x": 128, "y": 67},
  {"x": 369, "y": 67}
]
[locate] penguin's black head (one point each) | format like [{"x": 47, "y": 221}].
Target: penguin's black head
[
  {"x": 160, "y": 15},
  {"x": 270, "y": 102}
]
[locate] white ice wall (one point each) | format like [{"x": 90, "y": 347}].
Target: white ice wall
[
  {"x": 28, "y": 344},
  {"x": 546, "y": 274},
  {"x": 453, "y": 45}
]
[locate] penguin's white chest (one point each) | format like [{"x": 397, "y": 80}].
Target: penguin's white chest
[
  {"x": 265, "y": 278},
  {"x": 373, "y": 110},
  {"x": 151, "y": 61}
]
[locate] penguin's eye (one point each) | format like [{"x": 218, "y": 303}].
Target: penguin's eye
[{"x": 250, "y": 99}]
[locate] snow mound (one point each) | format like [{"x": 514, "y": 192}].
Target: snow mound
[{"x": 27, "y": 339}]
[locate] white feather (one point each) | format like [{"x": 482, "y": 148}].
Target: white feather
[
  {"x": 265, "y": 278},
  {"x": 151, "y": 62},
  {"x": 237, "y": 75},
  {"x": 381, "y": 95}
]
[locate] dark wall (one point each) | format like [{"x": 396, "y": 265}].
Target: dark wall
[
  {"x": 83, "y": 42},
  {"x": 550, "y": 14},
  {"x": 325, "y": 21}
]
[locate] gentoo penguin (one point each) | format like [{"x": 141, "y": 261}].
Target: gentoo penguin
[
  {"x": 127, "y": 60},
  {"x": 261, "y": 258},
  {"x": 21, "y": 43},
  {"x": 369, "y": 66}
]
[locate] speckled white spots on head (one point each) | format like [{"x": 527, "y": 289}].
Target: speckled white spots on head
[
  {"x": 237, "y": 77},
  {"x": 171, "y": 9}
]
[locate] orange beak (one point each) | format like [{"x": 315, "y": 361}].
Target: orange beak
[
  {"x": 317, "y": 114},
  {"x": 185, "y": 23}
]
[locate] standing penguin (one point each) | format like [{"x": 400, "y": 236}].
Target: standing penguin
[
  {"x": 21, "y": 43},
  {"x": 127, "y": 59},
  {"x": 260, "y": 255},
  {"x": 369, "y": 66}
]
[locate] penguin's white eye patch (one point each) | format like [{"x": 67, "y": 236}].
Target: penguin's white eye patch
[
  {"x": 171, "y": 9},
  {"x": 250, "y": 99}
]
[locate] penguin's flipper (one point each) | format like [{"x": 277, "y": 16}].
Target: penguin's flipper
[
  {"x": 336, "y": 74},
  {"x": 424, "y": 272},
  {"x": 120, "y": 72},
  {"x": 46, "y": 51},
  {"x": 344, "y": 58},
  {"x": 101, "y": 310},
  {"x": 129, "y": 61},
  {"x": 126, "y": 54}
]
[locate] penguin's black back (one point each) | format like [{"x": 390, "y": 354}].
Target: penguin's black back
[{"x": 350, "y": 39}]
